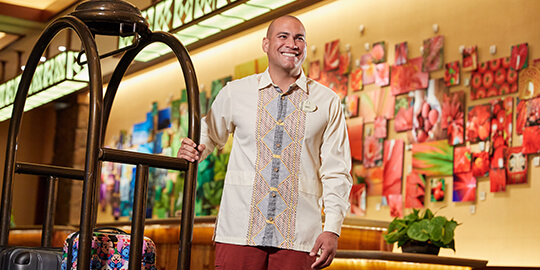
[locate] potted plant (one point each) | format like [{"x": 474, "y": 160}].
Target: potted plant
[{"x": 422, "y": 232}]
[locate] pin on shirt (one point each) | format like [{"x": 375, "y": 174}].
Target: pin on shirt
[{"x": 307, "y": 106}]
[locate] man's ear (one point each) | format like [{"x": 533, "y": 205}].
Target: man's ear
[{"x": 265, "y": 44}]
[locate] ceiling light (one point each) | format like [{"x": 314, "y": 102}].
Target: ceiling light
[
  {"x": 222, "y": 22},
  {"x": 272, "y": 4},
  {"x": 43, "y": 59},
  {"x": 57, "y": 77},
  {"x": 246, "y": 12},
  {"x": 199, "y": 31},
  {"x": 62, "y": 48},
  {"x": 186, "y": 40}
]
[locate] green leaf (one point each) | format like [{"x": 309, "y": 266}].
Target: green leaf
[
  {"x": 435, "y": 228},
  {"x": 428, "y": 214},
  {"x": 449, "y": 232},
  {"x": 412, "y": 216},
  {"x": 419, "y": 231}
]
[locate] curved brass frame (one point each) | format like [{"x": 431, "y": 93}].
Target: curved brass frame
[{"x": 99, "y": 112}]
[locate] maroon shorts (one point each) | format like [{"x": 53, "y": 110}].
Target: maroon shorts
[{"x": 237, "y": 257}]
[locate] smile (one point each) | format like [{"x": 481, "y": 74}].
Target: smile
[{"x": 289, "y": 54}]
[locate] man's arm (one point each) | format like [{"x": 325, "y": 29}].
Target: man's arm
[
  {"x": 336, "y": 181},
  {"x": 215, "y": 129}
]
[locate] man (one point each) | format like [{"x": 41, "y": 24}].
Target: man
[{"x": 290, "y": 159}]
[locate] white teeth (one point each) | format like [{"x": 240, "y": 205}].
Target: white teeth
[{"x": 289, "y": 54}]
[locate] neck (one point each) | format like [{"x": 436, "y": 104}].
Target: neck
[{"x": 283, "y": 78}]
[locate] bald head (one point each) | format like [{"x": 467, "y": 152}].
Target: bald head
[{"x": 271, "y": 27}]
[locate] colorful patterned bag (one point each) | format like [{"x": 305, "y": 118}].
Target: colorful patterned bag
[{"x": 110, "y": 251}]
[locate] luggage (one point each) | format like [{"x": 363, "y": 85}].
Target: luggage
[
  {"x": 26, "y": 258},
  {"x": 110, "y": 250}
]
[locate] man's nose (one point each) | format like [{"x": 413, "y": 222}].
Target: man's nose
[{"x": 291, "y": 42}]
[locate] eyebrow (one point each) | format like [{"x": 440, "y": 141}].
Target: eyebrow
[{"x": 287, "y": 33}]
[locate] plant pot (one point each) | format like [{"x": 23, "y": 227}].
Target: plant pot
[{"x": 420, "y": 247}]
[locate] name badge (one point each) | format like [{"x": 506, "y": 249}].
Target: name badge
[{"x": 307, "y": 106}]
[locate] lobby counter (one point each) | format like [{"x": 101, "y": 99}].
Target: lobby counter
[{"x": 370, "y": 259}]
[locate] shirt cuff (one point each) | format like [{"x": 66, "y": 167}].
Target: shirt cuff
[{"x": 333, "y": 222}]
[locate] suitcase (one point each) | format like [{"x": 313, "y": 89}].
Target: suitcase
[
  {"x": 110, "y": 250},
  {"x": 26, "y": 258}
]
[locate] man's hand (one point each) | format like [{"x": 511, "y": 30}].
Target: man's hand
[
  {"x": 327, "y": 242},
  {"x": 189, "y": 150}
]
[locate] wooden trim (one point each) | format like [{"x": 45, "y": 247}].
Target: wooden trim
[
  {"x": 34, "y": 14},
  {"x": 410, "y": 257},
  {"x": 21, "y": 12}
]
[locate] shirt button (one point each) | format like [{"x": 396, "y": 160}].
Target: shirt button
[
  {"x": 282, "y": 97},
  {"x": 273, "y": 194},
  {"x": 280, "y": 121},
  {"x": 278, "y": 145},
  {"x": 271, "y": 219},
  {"x": 276, "y": 169}
]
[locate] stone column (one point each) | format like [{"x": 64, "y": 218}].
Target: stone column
[{"x": 70, "y": 151}]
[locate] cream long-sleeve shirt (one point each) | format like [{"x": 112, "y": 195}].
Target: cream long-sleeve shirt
[{"x": 290, "y": 159}]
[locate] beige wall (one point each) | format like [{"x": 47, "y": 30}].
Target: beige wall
[
  {"x": 503, "y": 228},
  {"x": 36, "y": 141}
]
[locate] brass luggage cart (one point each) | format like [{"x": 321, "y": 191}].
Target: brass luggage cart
[{"x": 116, "y": 18}]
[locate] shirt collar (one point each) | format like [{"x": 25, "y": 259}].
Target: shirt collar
[{"x": 301, "y": 82}]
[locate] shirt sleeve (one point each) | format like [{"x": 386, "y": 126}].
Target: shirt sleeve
[
  {"x": 218, "y": 122},
  {"x": 335, "y": 169}
]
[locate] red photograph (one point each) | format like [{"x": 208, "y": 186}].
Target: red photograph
[
  {"x": 415, "y": 191},
  {"x": 356, "y": 80},
  {"x": 392, "y": 167},
  {"x": 427, "y": 113},
  {"x": 497, "y": 179},
  {"x": 453, "y": 113},
  {"x": 470, "y": 58},
  {"x": 351, "y": 106},
  {"x": 516, "y": 166},
  {"x": 480, "y": 164},
  {"x": 368, "y": 67},
  {"x": 315, "y": 70},
  {"x": 493, "y": 78},
  {"x": 344, "y": 63},
  {"x": 478, "y": 123},
  {"x": 437, "y": 190},
  {"x": 533, "y": 112},
  {"x": 464, "y": 187},
  {"x": 379, "y": 52},
  {"x": 331, "y": 55},
  {"x": 521, "y": 115},
  {"x": 501, "y": 121},
  {"x": 519, "y": 56},
  {"x": 408, "y": 77},
  {"x": 451, "y": 73},
  {"x": 355, "y": 128},
  {"x": 403, "y": 113},
  {"x": 382, "y": 76},
  {"x": 531, "y": 143},
  {"x": 402, "y": 52},
  {"x": 380, "y": 124},
  {"x": 529, "y": 82},
  {"x": 432, "y": 55},
  {"x": 373, "y": 152},
  {"x": 462, "y": 159}
]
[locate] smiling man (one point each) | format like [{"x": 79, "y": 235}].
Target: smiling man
[{"x": 290, "y": 159}]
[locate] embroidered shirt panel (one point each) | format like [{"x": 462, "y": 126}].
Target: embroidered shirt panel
[{"x": 279, "y": 134}]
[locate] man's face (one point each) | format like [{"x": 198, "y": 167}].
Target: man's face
[{"x": 286, "y": 44}]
